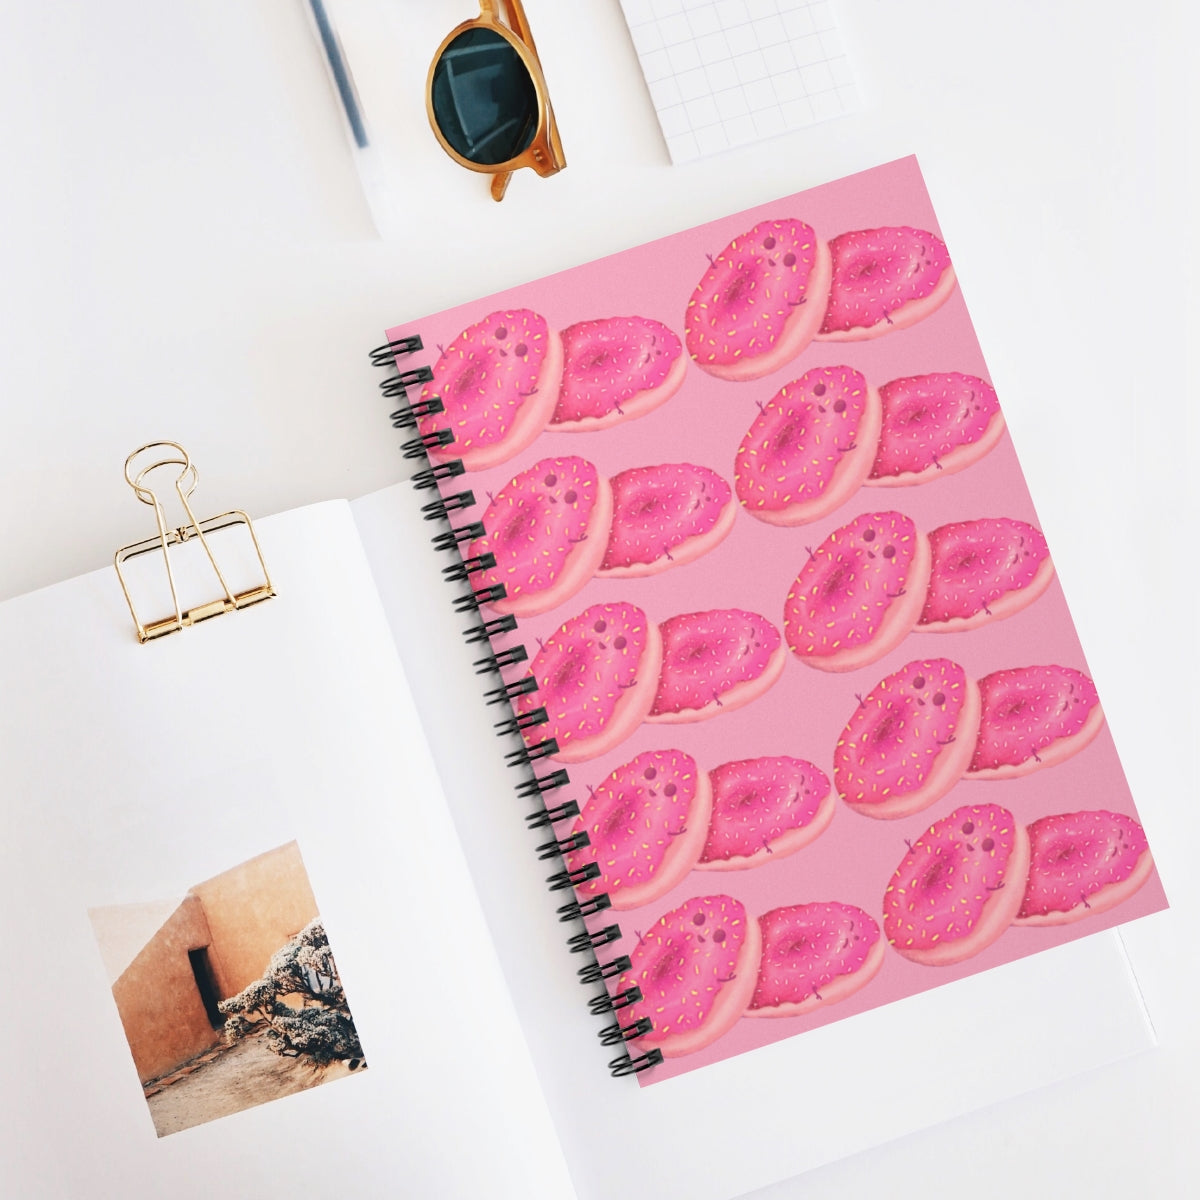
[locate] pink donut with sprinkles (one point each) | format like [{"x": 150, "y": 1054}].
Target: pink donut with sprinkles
[
  {"x": 646, "y": 824},
  {"x": 909, "y": 740},
  {"x": 498, "y": 381},
  {"x": 714, "y": 662},
  {"x": 548, "y": 528},
  {"x": 983, "y": 571},
  {"x": 597, "y": 675},
  {"x": 813, "y": 955},
  {"x": 1033, "y": 717},
  {"x": 959, "y": 886},
  {"x": 760, "y": 302},
  {"x": 665, "y": 517},
  {"x": 696, "y": 968},
  {"x": 884, "y": 279},
  {"x": 860, "y": 593},
  {"x": 933, "y": 426},
  {"x": 1083, "y": 864},
  {"x": 810, "y": 448},
  {"x": 764, "y": 809},
  {"x": 614, "y": 370}
]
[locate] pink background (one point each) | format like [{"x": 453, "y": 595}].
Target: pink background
[{"x": 804, "y": 713}]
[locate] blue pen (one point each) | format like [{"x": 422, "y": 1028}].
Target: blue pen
[{"x": 342, "y": 79}]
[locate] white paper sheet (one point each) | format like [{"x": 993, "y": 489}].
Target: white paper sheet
[
  {"x": 801, "y": 1103},
  {"x": 132, "y": 772},
  {"x": 723, "y": 73}
]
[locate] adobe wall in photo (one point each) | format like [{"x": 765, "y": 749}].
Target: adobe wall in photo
[
  {"x": 218, "y": 939},
  {"x": 160, "y": 1005},
  {"x": 252, "y": 910}
]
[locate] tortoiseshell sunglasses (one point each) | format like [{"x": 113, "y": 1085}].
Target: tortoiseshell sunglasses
[{"x": 487, "y": 99}]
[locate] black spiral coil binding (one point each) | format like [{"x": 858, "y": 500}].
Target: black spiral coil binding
[
  {"x": 535, "y": 785},
  {"x": 549, "y": 816},
  {"x": 386, "y": 355}
]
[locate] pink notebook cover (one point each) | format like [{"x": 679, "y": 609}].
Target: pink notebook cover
[{"x": 785, "y": 845}]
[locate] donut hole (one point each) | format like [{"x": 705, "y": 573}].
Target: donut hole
[
  {"x": 736, "y": 289},
  {"x": 863, "y": 267},
  {"x": 468, "y": 380},
  {"x": 798, "y": 946},
  {"x": 619, "y": 817},
  {"x": 936, "y": 876},
  {"x": 571, "y": 673},
  {"x": 835, "y": 581},
  {"x": 669, "y": 964},
  {"x": 790, "y": 433},
  {"x": 886, "y": 729},
  {"x": 519, "y": 524},
  {"x": 1063, "y": 852}
]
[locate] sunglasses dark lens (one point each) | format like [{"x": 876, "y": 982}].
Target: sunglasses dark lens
[{"x": 484, "y": 101}]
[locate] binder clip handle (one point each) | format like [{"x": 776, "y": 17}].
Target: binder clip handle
[{"x": 172, "y": 454}]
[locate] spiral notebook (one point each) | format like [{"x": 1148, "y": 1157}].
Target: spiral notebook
[
  {"x": 433, "y": 790},
  {"x": 761, "y": 578}
]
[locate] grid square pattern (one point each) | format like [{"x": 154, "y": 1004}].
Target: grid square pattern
[{"x": 723, "y": 73}]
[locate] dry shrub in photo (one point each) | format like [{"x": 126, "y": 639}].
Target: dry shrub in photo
[{"x": 320, "y": 1029}]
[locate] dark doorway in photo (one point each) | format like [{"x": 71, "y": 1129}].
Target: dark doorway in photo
[{"x": 206, "y": 981}]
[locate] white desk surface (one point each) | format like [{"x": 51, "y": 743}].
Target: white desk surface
[{"x": 186, "y": 253}]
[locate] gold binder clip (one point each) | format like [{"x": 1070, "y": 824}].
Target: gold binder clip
[{"x": 172, "y": 454}]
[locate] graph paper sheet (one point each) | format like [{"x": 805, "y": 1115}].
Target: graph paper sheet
[{"x": 726, "y": 72}]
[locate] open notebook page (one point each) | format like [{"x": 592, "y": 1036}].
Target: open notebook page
[
  {"x": 802, "y": 1102},
  {"x": 133, "y": 773}
]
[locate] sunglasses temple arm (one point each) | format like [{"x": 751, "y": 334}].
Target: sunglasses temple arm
[
  {"x": 520, "y": 26},
  {"x": 556, "y": 150},
  {"x": 500, "y": 184},
  {"x": 516, "y": 19}
]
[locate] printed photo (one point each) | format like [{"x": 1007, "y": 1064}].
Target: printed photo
[{"x": 228, "y": 992}]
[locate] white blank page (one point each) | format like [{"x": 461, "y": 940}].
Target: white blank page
[{"x": 133, "y": 772}]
